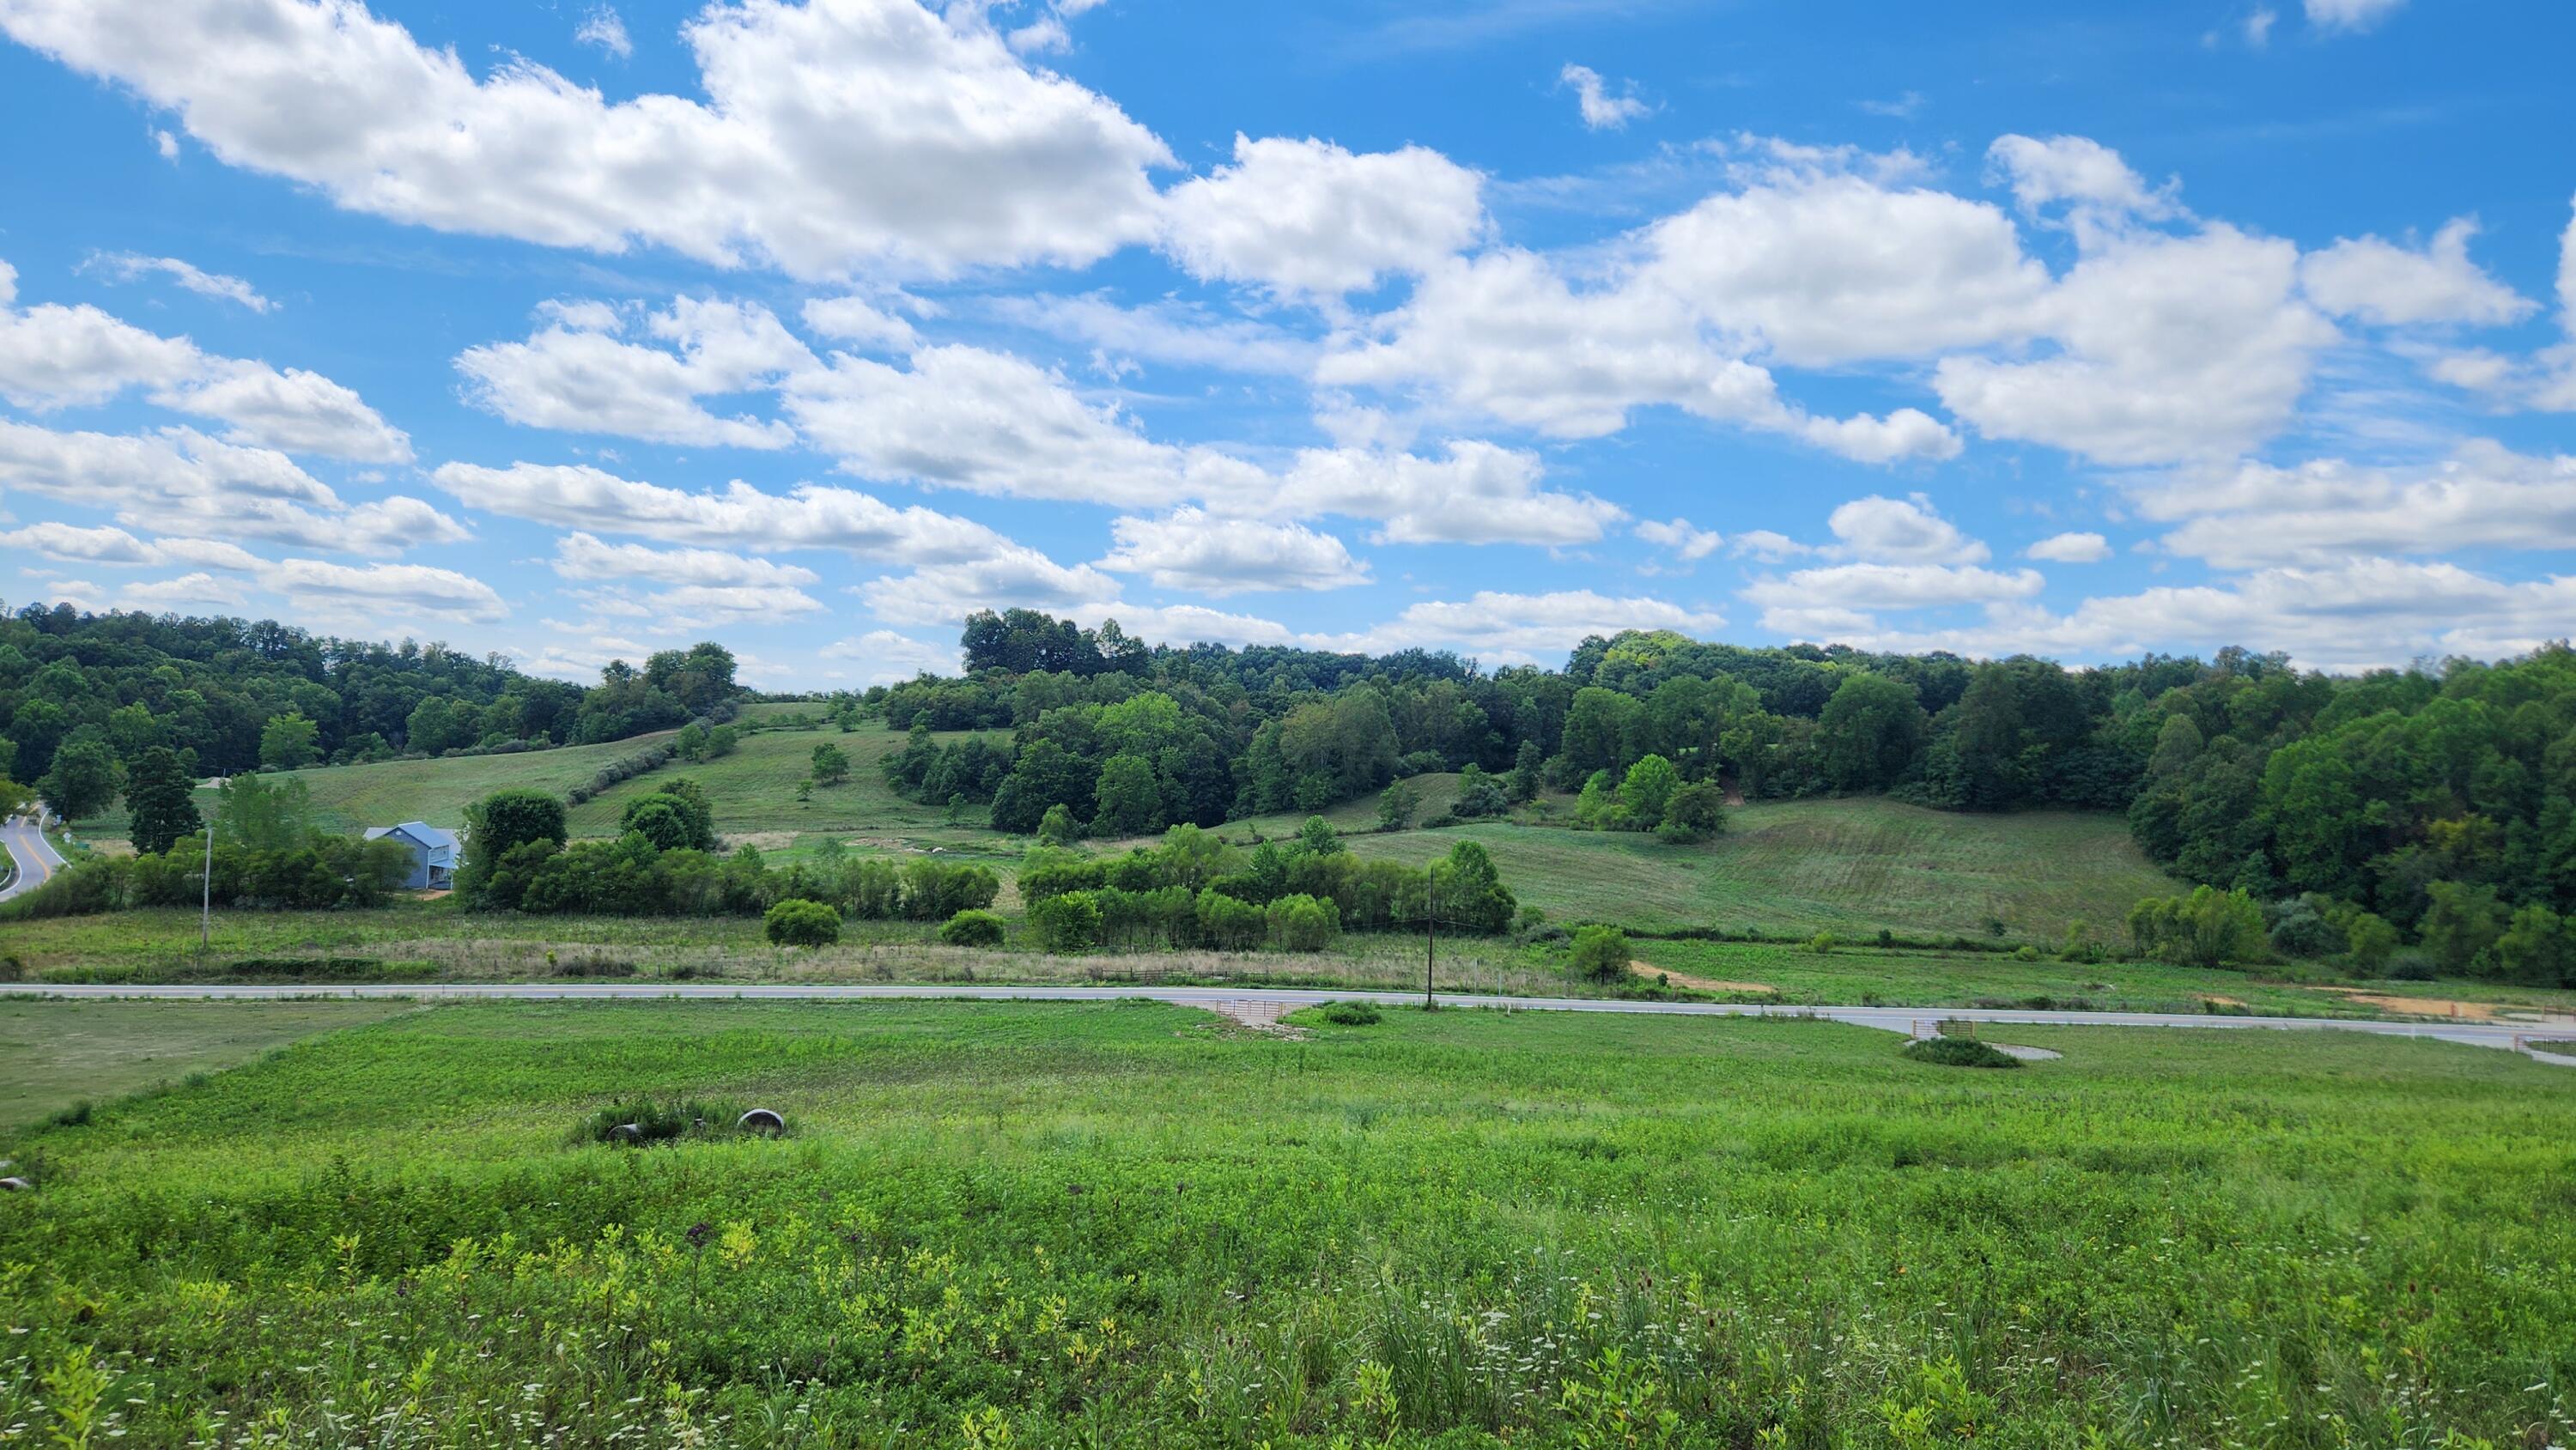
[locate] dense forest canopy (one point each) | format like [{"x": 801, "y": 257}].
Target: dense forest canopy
[{"x": 229, "y": 695}]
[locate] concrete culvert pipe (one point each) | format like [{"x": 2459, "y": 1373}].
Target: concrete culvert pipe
[
  {"x": 761, "y": 1120},
  {"x": 14, "y": 1185},
  {"x": 627, "y": 1132}
]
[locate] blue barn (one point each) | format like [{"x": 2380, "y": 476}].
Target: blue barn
[{"x": 433, "y": 853}]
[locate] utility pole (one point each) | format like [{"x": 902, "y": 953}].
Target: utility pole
[
  {"x": 204, "y": 920},
  {"x": 1430, "y": 931}
]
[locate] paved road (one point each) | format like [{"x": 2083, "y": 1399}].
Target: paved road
[
  {"x": 1907, "y": 1020},
  {"x": 36, "y": 856}
]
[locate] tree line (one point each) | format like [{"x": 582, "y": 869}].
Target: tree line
[{"x": 84, "y": 699}]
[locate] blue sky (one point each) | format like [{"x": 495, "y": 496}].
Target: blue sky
[{"x": 576, "y": 331}]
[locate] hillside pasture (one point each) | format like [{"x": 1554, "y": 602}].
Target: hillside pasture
[
  {"x": 753, "y": 790},
  {"x": 389, "y": 792},
  {"x": 1850, "y": 865}
]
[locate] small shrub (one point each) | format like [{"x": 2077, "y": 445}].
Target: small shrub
[
  {"x": 2412, "y": 967},
  {"x": 591, "y": 967},
  {"x": 1600, "y": 954},
  {"x": 797, "y": 922},
  {"x": 972, "y": 928},
  {"x": 2025, "y": 953},
  {"x": 1350, "y": 1014},
  {"x": 1959, "y": 1052},
  {"x": 75, "y": 1116},
  {"x": 1822, "y": 943}
]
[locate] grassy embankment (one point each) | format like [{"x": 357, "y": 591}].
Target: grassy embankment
[{"x": 1125, "y": 1224}]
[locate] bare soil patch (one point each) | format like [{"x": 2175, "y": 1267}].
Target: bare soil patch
[
  {"x": 1259, "y": 1014},
  {"x": 1650, "y": 971},
  {"x": 2419, "y": 1006}
]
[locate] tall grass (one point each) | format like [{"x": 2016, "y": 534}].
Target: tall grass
[{"x": 1114, "y": 1224}]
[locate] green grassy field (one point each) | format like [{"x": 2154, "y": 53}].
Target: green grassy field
[
  {"x": 1849, "y": 865},
  {"x": 352, "y": 797},
  {"x": 1123, "y": 1224},
  {"x": 56, "y": 1054},
  {"x": 754, "y": 794}
]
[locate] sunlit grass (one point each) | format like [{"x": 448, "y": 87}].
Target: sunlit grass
[{"x": 1129, "y": 1224}]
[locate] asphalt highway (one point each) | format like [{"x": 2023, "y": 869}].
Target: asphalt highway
[{"x": 37, "y": 859}]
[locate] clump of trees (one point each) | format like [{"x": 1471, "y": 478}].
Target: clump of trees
[
  {"x": 2208, "y": 928},
  {"x": 1193, "y": 890},
  {"x": 665, "y": 863},
  {"x": 1652, "y": 796}
]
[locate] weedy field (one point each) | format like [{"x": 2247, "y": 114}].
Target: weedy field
[
  {"x": 1122, "y": 1224},
  {"x": 1849, "y": 865}
]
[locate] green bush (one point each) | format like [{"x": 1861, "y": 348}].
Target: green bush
[
  {"x": 1303, "y": 924},
  {"x": 796, "y": 922},
  {"x": 1600, "y": 954},
  {"x": 1229, "y": 924},
  {"x": 1959, "y": 1052},
  {"x": 1822, "y": 943},
  {"x": 1067, "y": 923},
  {"x": 1349, "y": 1014},
  {"x": 972, "y": 929}
]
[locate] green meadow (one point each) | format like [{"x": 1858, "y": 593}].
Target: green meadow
[
  {"x": 1129, "y": 1224},
  {"x": 353, "y": 797},
  {"x": 1848, "y": 865},
  {"x": 754, "y": 788}
]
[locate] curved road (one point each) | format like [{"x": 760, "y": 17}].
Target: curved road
[
  {"x": 1906, "y": 1020},
  {"x": 37, "y": 859}
]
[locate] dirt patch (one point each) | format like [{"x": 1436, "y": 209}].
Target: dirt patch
[
  {"x": 2026, "y": 1054},
  {"x": 1650, "y": 971},
  {"x": 2452, "y": 1008},
  {"x": 1259, "y": 1014},
  {"x": 762, "y": 840},
  {"x": 2222, "y": 1001},
  {"x": 2419, "y": 1006}
]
